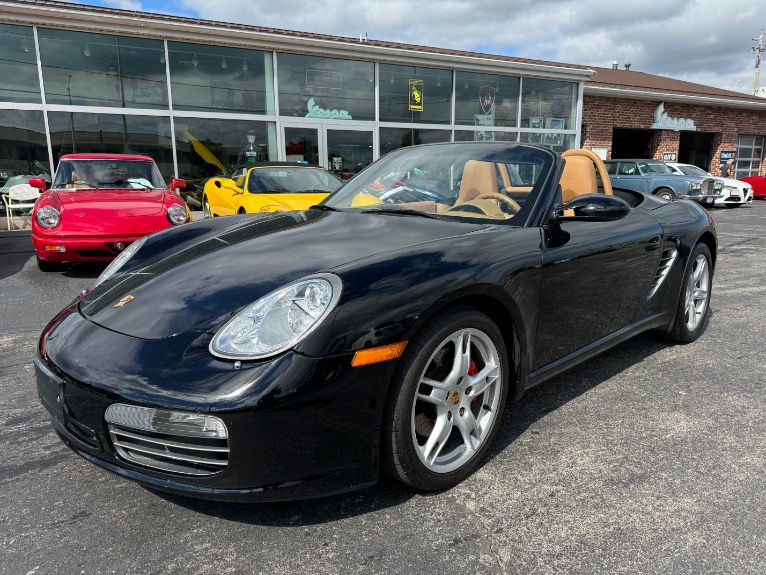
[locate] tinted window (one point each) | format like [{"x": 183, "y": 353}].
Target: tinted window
[{"x": 283, "y": 180}]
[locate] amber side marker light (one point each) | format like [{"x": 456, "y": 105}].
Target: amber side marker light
[
  {"x": 50, "y": 248},
  {"x": 378, "y": 354}
]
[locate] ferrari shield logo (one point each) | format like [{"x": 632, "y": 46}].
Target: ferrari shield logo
[
  {"x": 124, "y": 300},
  {"x": 487, "y": 98}
]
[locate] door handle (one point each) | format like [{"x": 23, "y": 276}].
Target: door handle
[{"x": 653, "y": 243}]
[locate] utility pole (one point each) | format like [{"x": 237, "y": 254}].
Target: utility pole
[{"x": 757, "y": 50}]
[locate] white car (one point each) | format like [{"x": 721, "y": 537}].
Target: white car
[{"x": 735, "y": 192}]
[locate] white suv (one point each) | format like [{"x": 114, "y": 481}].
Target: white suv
[{"x": 735, "y": 192}]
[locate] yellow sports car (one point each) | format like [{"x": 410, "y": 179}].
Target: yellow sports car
[{"x": 267, "y": 187}]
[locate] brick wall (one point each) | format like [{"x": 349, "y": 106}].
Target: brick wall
[{"x": 601, "y": 115}]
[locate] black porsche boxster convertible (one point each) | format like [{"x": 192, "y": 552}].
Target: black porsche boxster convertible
[{"x": 292, "y": 355}]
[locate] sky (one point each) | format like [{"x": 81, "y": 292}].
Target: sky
[{"x": 709, "y": 42}]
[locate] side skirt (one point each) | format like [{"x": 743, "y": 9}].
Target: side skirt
[{"x": 561, "y": 365}]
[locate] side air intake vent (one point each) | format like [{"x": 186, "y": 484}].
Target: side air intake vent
[{"x": 666, "y": 264}]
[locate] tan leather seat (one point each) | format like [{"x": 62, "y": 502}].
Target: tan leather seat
[
  {"x": 579, "y": 178},
  {"x": 478, "y": 178}
]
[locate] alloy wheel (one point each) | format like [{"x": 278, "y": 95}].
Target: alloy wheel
[
  {"x": 697, "y": 292},
  {"x": 457, "y": 400}
]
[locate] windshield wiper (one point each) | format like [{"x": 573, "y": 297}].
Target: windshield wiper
[{"x": 400, "y": 211}]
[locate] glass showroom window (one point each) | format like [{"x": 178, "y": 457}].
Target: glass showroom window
[
  {"x": 749, "y": 156},
  {"x": 411, "y": 94},
  {"x": 221, "y": 79},
  {"x": 485, "y": 136},
  {"x": 325, "y": 88},
  {"x": 23, "y": 149},
  {"x": 548, "y": 105},
  {"x": 557, "y": 142},
  {"x": 486, "y": 100},
  {"x": 208, "y": 147},
  {"x": 394, "y": 138},
  {"x": 98, "y": 70},
  {"x": 18, "y": 65},
  {"x": 112, "y": 134}
]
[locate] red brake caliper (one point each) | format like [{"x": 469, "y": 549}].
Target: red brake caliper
[{"x": 473, "y": 371}]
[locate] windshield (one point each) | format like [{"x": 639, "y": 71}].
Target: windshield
[
  {"x": 654, "y": 168},
  {"x": 284, "y": 180},
  {"x": 83, "y": 174},
  {"x": 693, "y": 171},
  {"x": 485, "y": 180}
]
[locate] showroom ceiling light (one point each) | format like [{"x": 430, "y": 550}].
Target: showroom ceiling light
[
  {"x": 162, "y": 57},
  {"x": 244, "y": 65},
  {"x": 195, "y": 62},
  {"x": 86, "y": 50},
  {"x": 24, "y": 46},
  {"x": 224, "y": 63}
]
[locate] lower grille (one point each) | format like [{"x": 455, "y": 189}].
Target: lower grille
[{"x": 170, "y": 453}]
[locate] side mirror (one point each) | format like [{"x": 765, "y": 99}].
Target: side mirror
[
  {"x": 38, "y": 183},
  {"x": 177, "y": 183},
  {"x": 593, "y": 208}
]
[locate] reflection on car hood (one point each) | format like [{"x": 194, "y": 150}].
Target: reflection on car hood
[
  {"x": 111, "y": 203},
  {"x": 202, "y": 281}
]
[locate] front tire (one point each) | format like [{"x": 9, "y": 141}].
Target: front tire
[
  {"x": 693, "y": 311},
  {"x": 46, "y": 266},
  {"x": 665, "y": 194},
  {"x": 446, "y": 401}
]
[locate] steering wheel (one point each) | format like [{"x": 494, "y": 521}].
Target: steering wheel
[{"x": 505, "y": 199}]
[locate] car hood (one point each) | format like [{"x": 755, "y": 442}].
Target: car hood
[
  {"x": 201, "y": 282},
  {"x": 111, "y": 203},
  {"x": 734, "y": 183}
]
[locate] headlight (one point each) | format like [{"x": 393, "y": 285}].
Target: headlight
[
  {"x": 48, "y": 217},
  {"x": 177, "y": 214},
  {"x": 694, "y": 186},
  {"x": 279, "y": 320},
  {"x": 119, "y": 261}
]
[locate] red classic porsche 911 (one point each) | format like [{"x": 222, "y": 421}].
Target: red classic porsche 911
[{"x": 99, "y": 204}]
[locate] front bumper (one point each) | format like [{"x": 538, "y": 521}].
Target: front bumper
[
  {"x": 100, "y": 249},
  {"x": 734, "y": 197},
  {"x": 298, "y": 427}
]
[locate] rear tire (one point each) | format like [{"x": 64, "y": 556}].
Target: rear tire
[
  {"x": 693, "y": 310},
  {"x": 446, "y": 400}
]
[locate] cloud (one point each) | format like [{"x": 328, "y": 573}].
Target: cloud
[
  {"x": 704, "y": 41},
  {"x": 124, "y": 4}
]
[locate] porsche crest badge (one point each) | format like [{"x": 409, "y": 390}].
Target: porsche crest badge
[{"x": 124, "y": 300}]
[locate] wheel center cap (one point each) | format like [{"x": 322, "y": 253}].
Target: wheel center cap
[{"x": 454, "y": 398}]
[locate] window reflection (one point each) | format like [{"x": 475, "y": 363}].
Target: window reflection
[
  {"x": 486, "y": 99},
  {"x": 221, "y": 78},
  {"x": 99, "y": 70},
  {"x": 208, "y": 148},
  {"x": 402, "y": 86},
  {"x": 19, "y": 81},
  {"x": 394, "y": 138},
  {"x": 325, "y": 88},
  {"x": 23, "y": 149},
  {"x": 556, "y": 142},
  {"x": 484, "y": 136},
  {"x": 113, "y": 134},
  {"x": 548, "y": 104}
]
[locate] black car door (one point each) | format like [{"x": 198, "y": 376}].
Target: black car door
[{"x": 595, "y": 279}]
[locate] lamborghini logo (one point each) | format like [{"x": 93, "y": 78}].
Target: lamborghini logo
[{"x": 124, "y": 300}]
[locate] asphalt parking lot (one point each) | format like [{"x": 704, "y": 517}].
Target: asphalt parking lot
[{"x": 648, "y": 459}]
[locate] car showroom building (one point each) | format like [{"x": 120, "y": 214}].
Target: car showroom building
[{"x": 201, "y": 97}]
